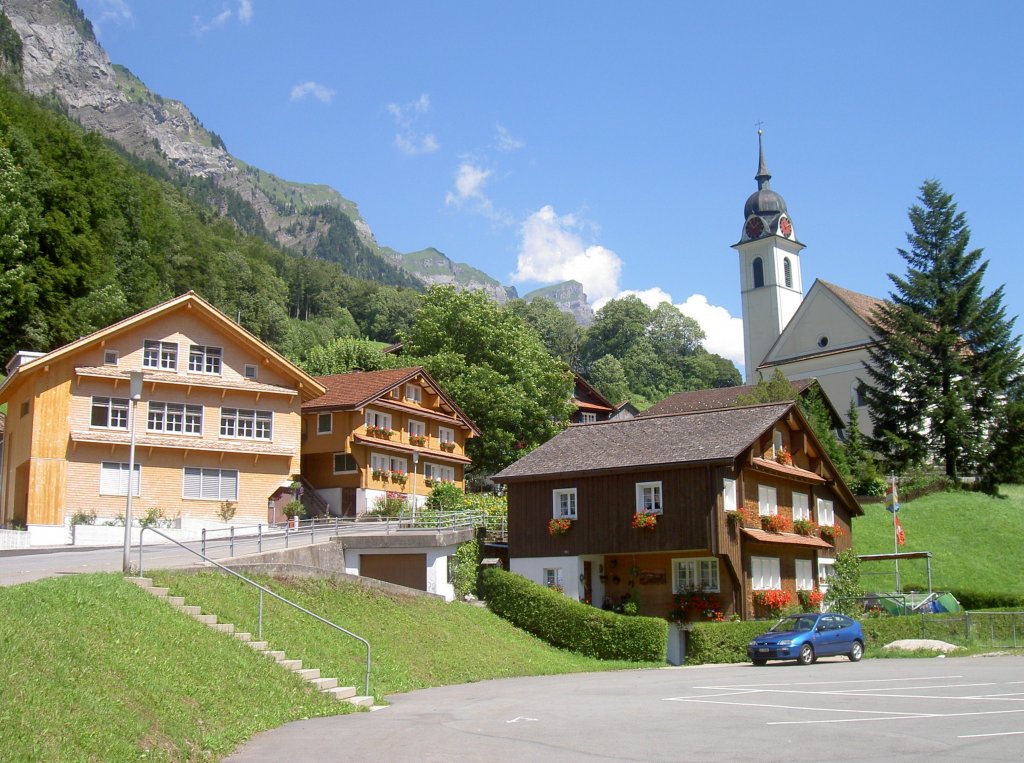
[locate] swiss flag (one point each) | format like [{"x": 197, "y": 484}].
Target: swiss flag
[{"x": 900, "y": 537}]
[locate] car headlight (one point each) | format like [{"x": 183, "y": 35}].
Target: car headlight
[
  {"x": 784, "y": 642},
  {"x": 752, "y": 643}
]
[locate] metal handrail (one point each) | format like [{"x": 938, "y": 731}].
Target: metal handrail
[{"x": 262, "y": 590}]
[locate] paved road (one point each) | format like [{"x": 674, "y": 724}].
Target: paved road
[
  {"x": 24, "y": 566},
  {"x": 935, "y": 709}
]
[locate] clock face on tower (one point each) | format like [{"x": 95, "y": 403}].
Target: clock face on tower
[
  {"x": 754, "y": 227},
  {"x": 786, "y": 227}
]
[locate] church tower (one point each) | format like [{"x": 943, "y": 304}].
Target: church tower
[{"x": 770, "y": 280}]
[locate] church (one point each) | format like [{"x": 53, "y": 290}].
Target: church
[{"x": 824, "y": 335}]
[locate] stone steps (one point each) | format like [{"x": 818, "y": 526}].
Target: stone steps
[{"x": 312, "y": 675}]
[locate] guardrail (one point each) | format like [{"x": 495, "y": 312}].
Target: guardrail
[{"x": 262, "y": 591}]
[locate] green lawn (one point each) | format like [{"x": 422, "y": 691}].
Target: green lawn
[
  {"x": 94, "y": 669},
  {"x": 975, "y": 541}
]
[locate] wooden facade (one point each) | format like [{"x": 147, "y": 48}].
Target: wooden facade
[
  {"x": 70, "y": 428},
  {"x": 343, "y": 457},
  {"x": 602, "y": 557}
]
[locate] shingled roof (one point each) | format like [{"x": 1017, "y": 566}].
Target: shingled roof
[
  {"x": 705, "y": 436},
  {"x": 710, "y": 399},
  {"x": 862, "y": 304}
]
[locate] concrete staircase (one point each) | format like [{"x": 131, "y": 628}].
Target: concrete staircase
[{"x": 312, "y": 675}]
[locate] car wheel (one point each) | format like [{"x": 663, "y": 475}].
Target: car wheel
[
  {"x": 806, "y": 655},
  {"x": 856, "y": 651},
  {"x": 759, "y": 663}
]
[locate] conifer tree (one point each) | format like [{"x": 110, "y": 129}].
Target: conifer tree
[{"x": 946, "y": 354}]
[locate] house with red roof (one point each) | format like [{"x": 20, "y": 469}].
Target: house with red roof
[
  {"x": 375, "y": 435},
  {"x": 725, "y": 505}
]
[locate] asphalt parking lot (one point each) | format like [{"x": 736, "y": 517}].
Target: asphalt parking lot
[{"x": 935, "y": 709}]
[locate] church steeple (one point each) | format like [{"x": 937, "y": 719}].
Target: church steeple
[{"x": 770, "y": 280}]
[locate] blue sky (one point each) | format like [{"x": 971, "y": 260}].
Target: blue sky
[{"x": 614, "y": 143}]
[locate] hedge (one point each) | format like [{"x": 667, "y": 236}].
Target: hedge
[{"x": 568, "y": 624}]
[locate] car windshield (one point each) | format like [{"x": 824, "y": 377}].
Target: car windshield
[{"x": 800, "y": 624}]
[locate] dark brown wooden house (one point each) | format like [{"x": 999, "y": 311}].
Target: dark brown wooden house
[
  {"x": 709, "y": 482},
  {"x": 591, "y": 406}
]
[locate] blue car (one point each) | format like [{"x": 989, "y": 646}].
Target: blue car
[{"x": 807, "y": 637}]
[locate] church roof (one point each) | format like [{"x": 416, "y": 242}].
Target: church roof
[
  {"x": 710, "y": 399},
  {"x": 862, "y": 304}
]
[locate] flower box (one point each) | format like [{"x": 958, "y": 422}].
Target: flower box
[
  {"x": 829, "y": 533},
  {"x": 774, "y": 523},
  {"x": 811, "y": 600},
  {"x": 559, "y": 526},
  {"x": 382, "y": 432},
  {"x": 804, "y": 527},
  {"x": 382, "y": 475},
  {"x": 774, "y": 600},
  {"x": 784, "y": 457},
  {"x": 398, "y": 478},
  {"x": 448, "y": 446},
  {"x": 643, "y": 520},
  {"x": 418, "y": 440}
]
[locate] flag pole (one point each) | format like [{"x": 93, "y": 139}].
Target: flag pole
[{"x": 895, "y": 531}]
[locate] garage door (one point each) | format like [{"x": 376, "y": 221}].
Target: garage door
[{"x": 409, "y": 570}]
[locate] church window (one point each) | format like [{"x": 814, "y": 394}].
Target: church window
[
  {"x": 787, "y": 268},
  {"x": 758, "y": 273},
  {"x": 823, "y": 341}
]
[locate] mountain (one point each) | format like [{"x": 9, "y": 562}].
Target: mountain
[
  {"x": 569, "y": 297},
  {"x": 433, "y": 267},
  {"x": 52, "y": 46},
  {"x": 62, "y": 60}
]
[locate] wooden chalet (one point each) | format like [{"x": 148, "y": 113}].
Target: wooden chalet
[
  {"x": 702, "y": 486},
  {"x": 591, "y": 406},
  {"x": 379, "y": 434}
]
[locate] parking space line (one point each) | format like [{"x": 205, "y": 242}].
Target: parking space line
[
  {"x": 996, "y": 734},
  {"x": 776, "y": 706},
  {"x": 831, "y": 683},
  {"x": 892, "y": 718}
]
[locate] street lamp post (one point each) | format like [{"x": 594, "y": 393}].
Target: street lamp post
[
  {"x": 135, "y": 394},
  {"x": 415, "y": 461}
]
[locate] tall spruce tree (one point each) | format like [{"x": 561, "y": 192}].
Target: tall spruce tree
[{"x": 947, "y": 352}]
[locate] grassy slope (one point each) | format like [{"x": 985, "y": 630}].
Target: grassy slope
[
  {"x": 95, "y": 669},
  {"x": 974, "y": 540},
  {"x": 417, "y": 642}
]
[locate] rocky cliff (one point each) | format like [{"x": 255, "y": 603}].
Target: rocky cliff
[
  {"x": 434, "y": 267},
  {"x": 569, "y": 297}
]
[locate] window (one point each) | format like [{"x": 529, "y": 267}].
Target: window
[
  {"x": 111, "y": 412},
  {"x": 414, "y": 392},
  {"x": 823, "y": 342},
  {"x": 210, "y": 484},
  {"x": 648, "y": 497},
  {"x": 826, "y": 516},
  {"x": 787, "y": 271},
  {"x": 804, "y": 575},
  {"x": 388, "y": 463},
  {"x": 695, "y": 575},
  {"x": 729, "y": 494},
  {"x": 826, "y": 569},
  {"x": 764, "y": 573},
  {"x": 375, "y": 419},
  {"x": 204, "y": 360},
  {"x": 553, "y": 577},
  {"x": 758, "y": 273},
  {"x": 246, "y": 423},
  {"x": 344, "y": 463},
  {"x": 174, "y": 417},
  {"x": 114, "y": 479},
  {"x": 395, "y": 394},
  {"x": 250, "y": 371},
  {"x": 588, "y": 418},
  {"x": 110, "y": 357},
  {"x": 439, "y": 472},
  {"x": 564, "y": 503},
  {"x": 776, "y": 442},
  {"x": 417, "y": 429},
  {"x": 767, "y": 504},
  {"x": 324, "y": 423},
  {"x": 444, "y": 434},
  {"x": 800, "y": 508},
  {"x": 162, "y": 355}
]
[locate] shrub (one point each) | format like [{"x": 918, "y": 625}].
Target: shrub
[
  {"x": 83, "y": 518},
  {"x": 709, "y": 643},
  {"x": 844, "y": 588},
  {"x": 389, "y": 505},
  {"x": 294, "y": 509},
  {"x": 446, "y": 497},
  {"x": 466, "y": 563},
  {"x": 227, "y": 510},
  {"x": 571, "y": 625}
]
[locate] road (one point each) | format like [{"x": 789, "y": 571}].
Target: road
[{"x": 892, "y": 710}]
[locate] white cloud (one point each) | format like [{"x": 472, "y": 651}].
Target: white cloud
[
  {"x": 723, "y": 332},
  {"x": 245, "y": 11},
  {"x": 470, "y": 180},
  {"x": 117, "y": 11},
  {"x": 202, "y": 27},
  {"x": 409, "y": 140},
  {"x": 322, "y": 93},
  {"x": 505, "y": 140},
  {"x": 552, "y": 250}
]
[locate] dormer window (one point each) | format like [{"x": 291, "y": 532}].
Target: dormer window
[
  {"x": 414, "y": 393},
  {"x": 110, "y": 357}
]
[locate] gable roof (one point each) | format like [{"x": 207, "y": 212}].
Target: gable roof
[
  {"x": 862, "y": 304},
  {"x": 584, "y": 395},
  {"x": 710, "y": 399},
  {"x": 308, "y": 387},
  {"x": 705, "y": 436},
  {"x": 355, "y": 390}
]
